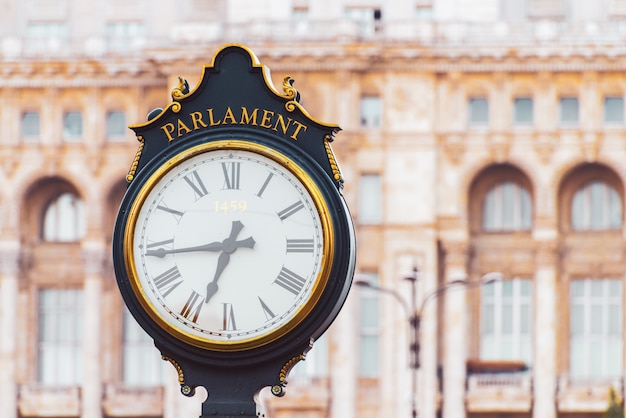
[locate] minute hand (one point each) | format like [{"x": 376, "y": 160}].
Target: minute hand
[{"x": 162, "y": 252}]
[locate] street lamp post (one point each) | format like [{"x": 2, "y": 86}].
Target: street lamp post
[{"x": 414, "y": 315}]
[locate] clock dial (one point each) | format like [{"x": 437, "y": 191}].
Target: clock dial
[{"x": 230, "y": 246}]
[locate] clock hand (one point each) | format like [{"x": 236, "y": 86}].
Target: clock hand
[
  {"x": 229, "y": 246},
  {"x": 237, "y": 226},
  {"x": 212, "y": 287},
  {"x": 162, "y": 252}
]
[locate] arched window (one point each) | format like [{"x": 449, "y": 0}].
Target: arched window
[
  {"x": 596, "y": 206},
  {"x": 64, "y": 219},
  {"x": 507, "y": 207}
]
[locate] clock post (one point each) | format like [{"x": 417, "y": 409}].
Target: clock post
[{"x": 233, "y": 247}]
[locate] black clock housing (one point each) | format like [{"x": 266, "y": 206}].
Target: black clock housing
[{"x": 236, "y": 101}]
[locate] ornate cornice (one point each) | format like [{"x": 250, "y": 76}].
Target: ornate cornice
[
  {"x": 72, "y": 74},
  {"x": 470, "y": 58},
  {"x": 24, "y": 82},
  {"x": 150, "y": 67}
]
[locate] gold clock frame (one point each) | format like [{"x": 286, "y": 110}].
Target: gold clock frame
[{"x": 326, "y": 259}]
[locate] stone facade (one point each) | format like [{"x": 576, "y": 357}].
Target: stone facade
[{"x": 436, "y": 161}]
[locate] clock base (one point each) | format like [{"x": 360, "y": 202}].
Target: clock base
[{"x": 232, "y": 390}]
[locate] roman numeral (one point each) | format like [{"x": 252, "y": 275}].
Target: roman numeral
[
  {"x": 290, "y": 281},
  {"x": 195, "y": 182},
  {"x": 177, "y": 214},
  {"x": 231, "y": 175},
  {"x": 300, "y": 246},
  {"x": 265, "y": 183},
  {"x": 192, "y": 307},
  {"x": 167, "y": 281},
  {"x": 228, "y": 322},
  {"x": 266, "y": 310},
  {"x": 290, "y": 210},
  {"x": 166, "y": 243}
]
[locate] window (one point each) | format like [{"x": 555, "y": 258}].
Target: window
[
  {"x": 64, "y": 219},
  {"x": 116, "y": 125},
  {"x": 370, "y": 199},
  {"x": 72, "y": 126},
  {"x": 46, "y": 30},
  {"x": 507, "y": 207},
  {"x": 60, "y": 337},
  {"x": 506, "y": 318},
  {"x": 424, "y": 13},
  {"x": 30, "y": 125},
  {"x": 124, "y": 30},
  {"x": 596, "y": 206},
  {"x": 478, "y": 111},
  {"x": 141, "y": 360},
  {"x": 523, "y": 111},
  {"x": 371, "y": 112},
  {"x": 368, "y": 329},
  {"x": 300, "y": 17},
  {"x": 46, "y": 37},
  {"x": 123, "y": 36},
  {"x": 595, "y": 328},
  {"x": 568, "y": 111},
  {"x": 613, "y": 110},
  {"x": 367, "y": 20},
  {"x": 300, "y": 14}
]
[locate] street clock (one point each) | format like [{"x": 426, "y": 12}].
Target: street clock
[{"x": 233, "y": 246}]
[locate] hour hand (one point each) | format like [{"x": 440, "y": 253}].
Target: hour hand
[
  {"x": 162, "y": 252},
  {"x": 212, "y": 287}
]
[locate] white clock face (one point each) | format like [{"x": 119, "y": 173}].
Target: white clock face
[{"x": 228, "y": 246}]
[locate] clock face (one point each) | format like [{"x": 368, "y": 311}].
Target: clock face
[{"x": 230, "y": 245}]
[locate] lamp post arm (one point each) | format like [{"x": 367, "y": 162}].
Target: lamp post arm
[
  {"x": 487, "y": 278},
  {"x": 438, "y": 292},
  {"x": 368, "y": 285}
]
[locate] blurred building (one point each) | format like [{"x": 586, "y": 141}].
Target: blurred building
[{"x": 478, "y": 136}]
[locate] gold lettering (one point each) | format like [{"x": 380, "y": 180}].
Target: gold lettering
[
  {"x": 246, "y": 118},
  {"x": 182, "y": 127},
  {"x": 277, "y": 122},
  {"x": 299, "y": 126},
  {"x": 266, "y": 119},
  {"x": 211, "y": 120},
  {"x": 229, "y": 115},
  {"x": 196, "y": 118},
  {"x": 280, "y": 120},
  {"x": 168, "y": 128}
]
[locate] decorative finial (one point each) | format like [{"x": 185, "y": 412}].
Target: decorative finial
[
  {"x": 290, "y": 90},
  {"x": 181, "y": 90}
]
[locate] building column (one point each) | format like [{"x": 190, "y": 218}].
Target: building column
[
  {"x": 343, "y": 357},
  {"x": 454, "y": 335},
  {"x": 94, "y": 255},
  {"x": 544, "y": 360},
  {"x": 9, "y": 293}
]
